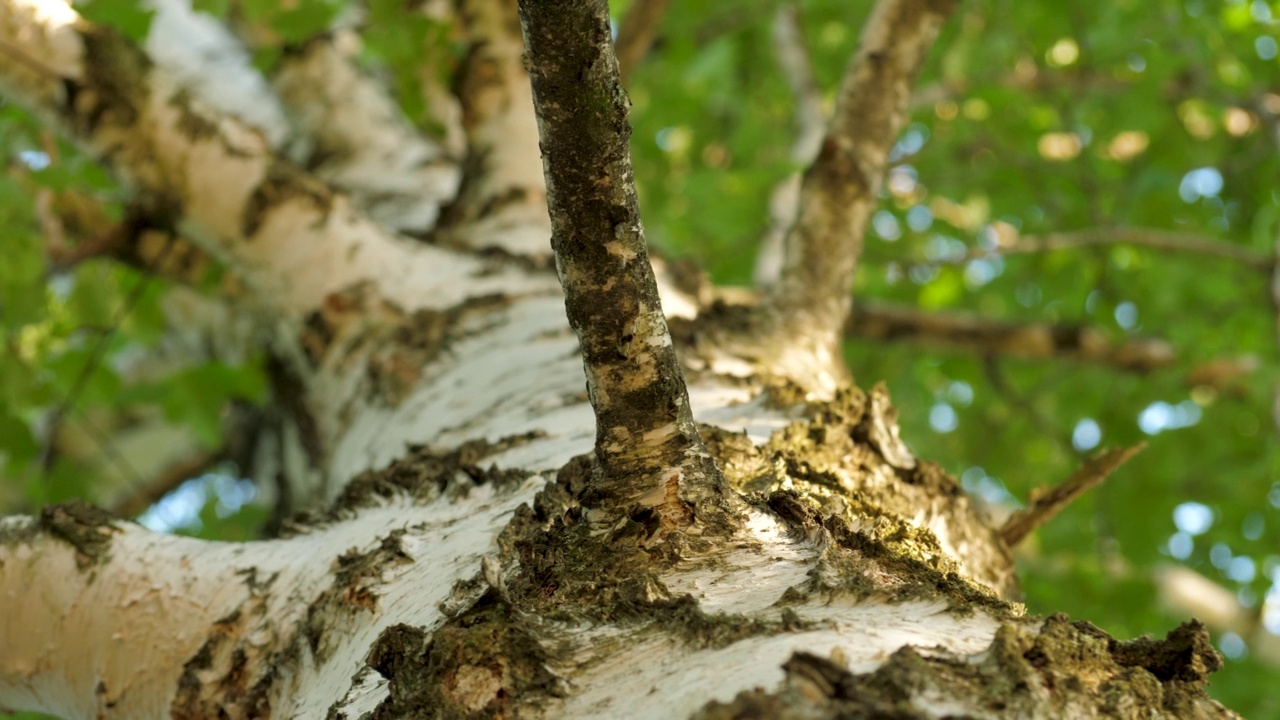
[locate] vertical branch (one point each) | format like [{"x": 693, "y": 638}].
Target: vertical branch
[
  {"x": 502, "y": 182},
  {"x": 1275, "y": 309},
  {"x": 647, "y": 448},
  {"x": 839, "y": 189},
  {"x": 1273, "y": 124},
  {"x": 793, "y": 60}
]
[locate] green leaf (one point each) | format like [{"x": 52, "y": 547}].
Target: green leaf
[
  {"x": 18, "y": 445},
  {"x": 130, "y": 17},
  {"x": 216, "y": 8}
]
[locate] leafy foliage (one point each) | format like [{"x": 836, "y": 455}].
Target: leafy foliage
[{"x": 1030, "y": 120}]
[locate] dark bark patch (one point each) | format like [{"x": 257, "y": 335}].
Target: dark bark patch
[
  {"x": 190, "y": 121},
  {"x": 398, "y": 651},
  {"x": 418, "y": 339},
  {"x": 115, "y": 86},
  {"x": 423, "y": 474},
  {"x": 1185, "y": 655},
  {"x": 845, "y": 461},
  {"x": 86, "y": 528},
  {"x": 230, "y": 676},
  {"x": 484, "y": 663},
  {"x": 571, "y": 572},
  {"x": 355, "y": 581},
  {"x": 1061, "y": 670},
  {"x": 354, "y": 321},
  {"x": 283, "y": 182}
]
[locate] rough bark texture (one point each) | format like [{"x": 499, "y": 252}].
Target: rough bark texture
[
  {"x": 453, "y": 562},
  {"x": 648, "y": 449}
]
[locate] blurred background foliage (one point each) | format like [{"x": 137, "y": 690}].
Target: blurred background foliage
[{"x": 1030, "y": 119}]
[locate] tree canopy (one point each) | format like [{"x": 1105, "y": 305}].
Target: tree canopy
[{"x": 1077, "y": 246}]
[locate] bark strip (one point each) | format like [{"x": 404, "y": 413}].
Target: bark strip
[
  {"x": 839, "y": 189},
  {"x": 647, "y": 447}
]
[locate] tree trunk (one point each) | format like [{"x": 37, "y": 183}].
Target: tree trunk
[{"x": 478, "y": 541}]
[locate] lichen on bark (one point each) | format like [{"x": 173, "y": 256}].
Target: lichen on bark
[{"x": 1061, "y": 669}]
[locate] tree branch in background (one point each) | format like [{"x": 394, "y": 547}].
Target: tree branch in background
[
  {"x": 636, "y": 34},
  {"x": 1275, "y": 309},
  {"x": 1163, "y": 240},
  {"x": 647, "y": 448},
  {"x": 793, "y": 60},
  {"x": 353, "y": 134},
  {"x": 150, "y": 492},
  {"x": 1018, "y": 401},
  {"x": 1269, "y": 110},
  {"x": 973, "y": 333},
  {"x": 978, "y": 335},
  {"x": 840, "y": 188},
  {"x": 1046, "y": 504},
  {"x": 318, "y": 107}
]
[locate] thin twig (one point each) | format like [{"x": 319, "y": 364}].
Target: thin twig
[
  {"x": 1045, "y": 505},
  {"x": 636, "y": 34},
  {"x": 95, "y": 358},
  {"x": 99, "y": 437}
]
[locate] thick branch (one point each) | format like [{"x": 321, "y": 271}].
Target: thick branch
[
  {"x": 839, "y": 189},
  {"x": 971, "y": 333},
  {"x": 647, "y": 446},
  {"x": 74, "y": 580}
]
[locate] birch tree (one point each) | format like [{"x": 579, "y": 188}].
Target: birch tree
[{"x": 720, "y": 525}]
